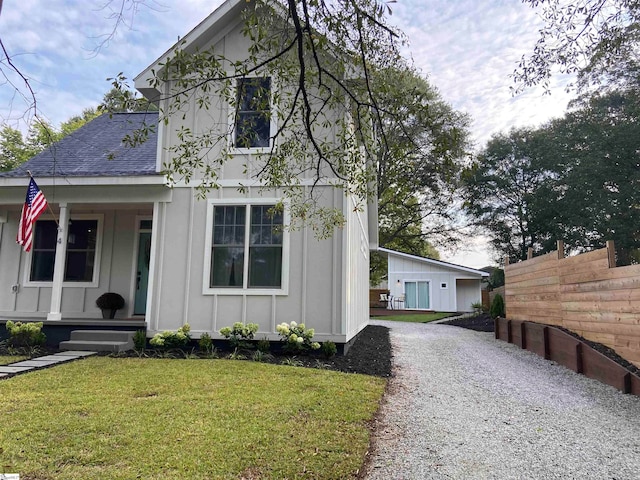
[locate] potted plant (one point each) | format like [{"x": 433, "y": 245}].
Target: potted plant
[{"x": 110, "y": 302}]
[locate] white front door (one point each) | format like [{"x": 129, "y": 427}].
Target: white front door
[{"x": 142, "y": 270}]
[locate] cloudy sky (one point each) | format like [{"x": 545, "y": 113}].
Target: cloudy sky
[{"x": 467, "y": 48}]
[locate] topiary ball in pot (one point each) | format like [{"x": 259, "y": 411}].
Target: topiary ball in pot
[{"x": 109, "y": 302}]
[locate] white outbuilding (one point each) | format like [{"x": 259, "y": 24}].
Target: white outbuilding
[{"x": 419, "y": 283}]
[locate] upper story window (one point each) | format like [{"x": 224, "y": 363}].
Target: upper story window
[
  {"x": 252, "y": 128},
  {"x": 82, "y": 247},
  {"x": 246, "y": 249}
]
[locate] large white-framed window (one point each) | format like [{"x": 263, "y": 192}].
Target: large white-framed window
[
  {"x": 253, "y": 115},
  {"x": 82, "y": 261},
  {"x": 246, "y": 248}
]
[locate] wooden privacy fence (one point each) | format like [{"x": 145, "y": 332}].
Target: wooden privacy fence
[
  {"x": 374, "y": 297},
  {"x": 586, "y": 294}
]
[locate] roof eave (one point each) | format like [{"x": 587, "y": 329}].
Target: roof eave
[
  {"x": 152, "y": 179},
  {"x": 434, "y": 262}
]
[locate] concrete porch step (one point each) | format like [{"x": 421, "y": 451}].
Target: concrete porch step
[{"x": 99, "y": 341}]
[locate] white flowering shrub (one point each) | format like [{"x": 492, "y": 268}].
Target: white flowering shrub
[
  {"x": 297, "y": 337},
  {"x": 240, "y": 334},
  {"x": 27, "y": 334},
  {"x": 170, "y": 339}
]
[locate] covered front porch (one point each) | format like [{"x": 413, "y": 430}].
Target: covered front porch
[{"x": 91, "y": 241}]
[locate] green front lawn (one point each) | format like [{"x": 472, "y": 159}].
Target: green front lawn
[
  {"x": 6, "y": 359},
  {"x": 123, "y": 418},
  {"x": 417, "y": 317}
]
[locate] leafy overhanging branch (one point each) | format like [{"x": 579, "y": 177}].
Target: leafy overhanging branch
[{"x": 326, "y": 119}]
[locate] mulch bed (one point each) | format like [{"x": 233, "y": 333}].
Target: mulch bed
[
  {"x": 370, "y": 354},
  {"x": 479, "y": 323}
]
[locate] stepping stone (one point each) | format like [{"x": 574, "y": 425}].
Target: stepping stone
[
  {"x": 54, "y": 358},
  {"x": 10, "y": 369},
  {"x": 2, "y": 375},
  {"x": 36, "y": 363},
  {"x": 74, "y": 354}
]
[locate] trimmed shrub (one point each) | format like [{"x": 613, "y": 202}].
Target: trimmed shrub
[
  {"x": 205, "y": 343},
  {"x": 240, "y": 334},
  {"x": 329, "y": 349},
  {"x": 170, "y": 339},
  {"x": 497, "y": 306},
  {"x": 263, "y": 345},
  {"x": 140, "y": 340},
  {"x": 27, "y": 334},
  {"x": 296, "y": 337}
]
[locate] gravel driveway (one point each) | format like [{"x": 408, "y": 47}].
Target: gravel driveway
[{"x": 463, "y": 405}]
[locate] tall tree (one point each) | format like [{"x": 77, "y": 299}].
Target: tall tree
[
  {"x": 125, "y": 100},
  {"x": 15, "y": 150},
  {"x": 418, "y": 166},
  {"x": 596, "y": 174},
  {"x": 589, "y": 37},
  {"x": 500, "y": 190},
  {"x": 575, "y": 179}
]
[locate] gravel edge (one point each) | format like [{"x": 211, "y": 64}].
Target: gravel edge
[{"x": 463, "y": 405}]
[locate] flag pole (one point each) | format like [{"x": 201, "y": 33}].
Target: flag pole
[{"x": 48, "y": 205}]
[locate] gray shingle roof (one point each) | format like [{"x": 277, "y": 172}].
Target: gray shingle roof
[{"x": 96, "y": 149}]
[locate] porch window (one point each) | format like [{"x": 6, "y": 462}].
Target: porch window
[
  {"x": 82, "y": 241},
  {"x": 245, "y": 247},
  {"x": 252, "y": 123}
]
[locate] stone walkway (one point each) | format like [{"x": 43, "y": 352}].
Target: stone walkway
[{"x": 41, "y": 362}]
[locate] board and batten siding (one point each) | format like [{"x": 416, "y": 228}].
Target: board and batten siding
[
  {"x": 462, "y": 289},
  {"x": 315, "y": 275},
  {"x": 585, "y": 293},
  {"x": 326, "y": 283},
  {"x": 468, "y": 292},
  {"x": 356, "y": 267}
]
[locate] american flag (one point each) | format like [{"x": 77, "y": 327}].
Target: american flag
[{"x": 33, "y": 207}]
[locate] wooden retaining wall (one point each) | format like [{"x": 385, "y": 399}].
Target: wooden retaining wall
[
  {"x": 560, "y": 347},
  {"x": 586, "y": 294}
]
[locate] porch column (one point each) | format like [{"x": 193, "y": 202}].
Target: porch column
[
  {"x": 157, "y": 228},
  {"x": 58, "y": 266}
]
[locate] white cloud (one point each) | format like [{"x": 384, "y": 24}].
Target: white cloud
[{"x": 469, "y": 49}]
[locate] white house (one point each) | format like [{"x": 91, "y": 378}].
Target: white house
[
  {"x": 418, "y": 283},
  {"x": 175, "y": 258}
]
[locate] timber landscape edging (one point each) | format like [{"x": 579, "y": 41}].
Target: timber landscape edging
[{"x": 556, "y": 345}]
